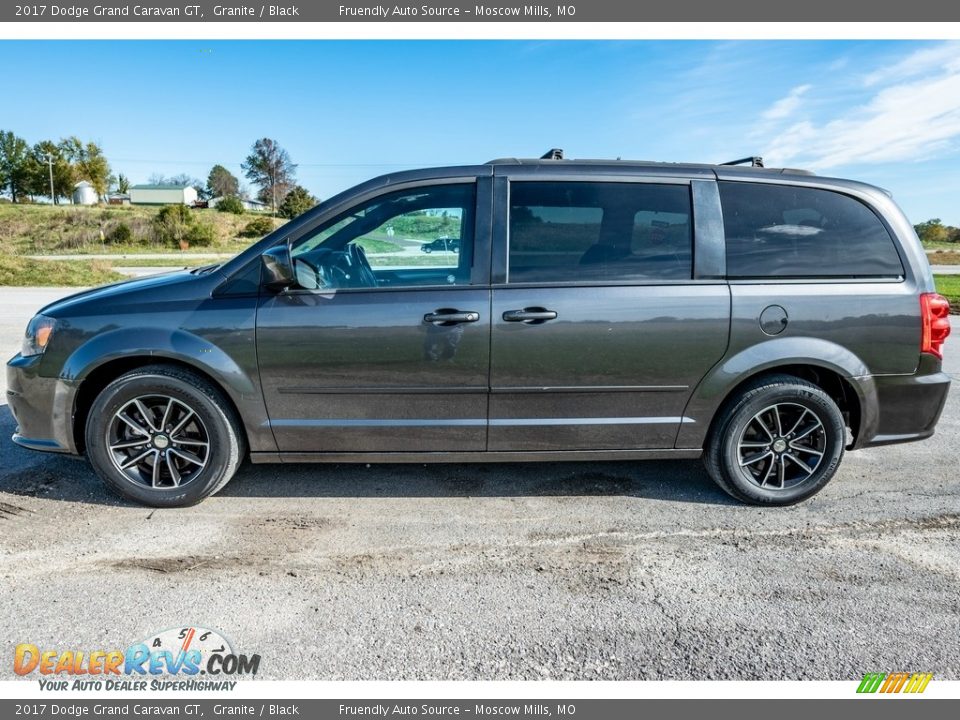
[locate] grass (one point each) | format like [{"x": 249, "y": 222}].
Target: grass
[
  {"x": 949, "y": 287},
  {"x": 941, "y": 257},
  {"x": 928, "y": 246},
  {"x": 24, "y": 272},
  {"x": 174, "y": 261},
  {"x": 72, "y": 229},
  {"x": 374, "y": 245}
]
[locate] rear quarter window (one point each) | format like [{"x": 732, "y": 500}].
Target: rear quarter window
[{"x": 782, "y": 231}]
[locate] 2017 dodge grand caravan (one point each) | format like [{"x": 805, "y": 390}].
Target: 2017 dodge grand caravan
[{"x": 764, "y": 319}]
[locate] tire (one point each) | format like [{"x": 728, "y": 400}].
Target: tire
[
  {"x": 203, "y": 450},
  {"x": 756, "y": 462},
  {"x": 427, "y": 250}
]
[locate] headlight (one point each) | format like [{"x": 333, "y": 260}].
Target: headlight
[{"x": 38, "y": 334}]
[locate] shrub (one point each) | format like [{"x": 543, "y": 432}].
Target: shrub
[
  {"x": 174, "y": 213},
  {"x": 172, "y": 224},
  {"x": 120, "y": 235},
  {"x": 231, "y": 204},
  {"x": 258, "y": 227},
  {"x": 201, "y": 235},
  {"x": 297, "y": 202}
]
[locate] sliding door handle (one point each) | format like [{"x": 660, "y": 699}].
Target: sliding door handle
[{"x": 530, "y": 315}]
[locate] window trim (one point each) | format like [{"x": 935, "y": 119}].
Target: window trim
[{"x": 500, "y": 269}]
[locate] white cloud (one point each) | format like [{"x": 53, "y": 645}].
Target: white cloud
[
  {"x": 786, "y": 106},
  {"x": 912, "y": 113},
  {"x": 917, "y": 63}
]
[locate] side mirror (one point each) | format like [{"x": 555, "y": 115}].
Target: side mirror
[{"x": 277, "y": 268}]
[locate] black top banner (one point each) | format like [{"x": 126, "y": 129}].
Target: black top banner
[{"x": 496, "y": 11}]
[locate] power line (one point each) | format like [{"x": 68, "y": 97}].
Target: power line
[{"x": 220, "y": 162}]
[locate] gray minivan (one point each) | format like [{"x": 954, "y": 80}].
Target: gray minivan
[{"x": 764, "y": 319}]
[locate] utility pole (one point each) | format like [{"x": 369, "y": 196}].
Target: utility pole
[{"x": 53, "y": 198}]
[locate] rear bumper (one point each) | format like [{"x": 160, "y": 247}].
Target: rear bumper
[
  {"x": 901, "y": 408},
  {"x": 42, "y": 407}
]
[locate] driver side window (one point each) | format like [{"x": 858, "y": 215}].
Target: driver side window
[{"x": 409, "y": 238}]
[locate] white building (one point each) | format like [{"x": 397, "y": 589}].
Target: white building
[
  {"x": 162, "y": 195},
  {"x": 254, "y": 205},
  {"x": 85, "y": 194}
]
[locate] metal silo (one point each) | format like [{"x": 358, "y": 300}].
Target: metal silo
[{"x": 85, "y": 194}]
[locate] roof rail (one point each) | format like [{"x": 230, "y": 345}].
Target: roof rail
[
  {"x": 553, "y": 154},
  {"x": 754, "y": 160}
]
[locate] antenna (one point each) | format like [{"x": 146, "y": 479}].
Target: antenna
[{"x": 553, "y": 154}]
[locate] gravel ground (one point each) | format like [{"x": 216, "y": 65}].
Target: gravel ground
[{"x": 560, "y": 571}]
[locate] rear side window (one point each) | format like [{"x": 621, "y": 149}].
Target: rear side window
[
  {"x": 780, "y": 231},
  {"x": 599, "y": 232}
]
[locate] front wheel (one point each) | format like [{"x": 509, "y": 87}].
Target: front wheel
[
  {"x": 163, "y": 436},
  {"x": 778, "y": 442}
]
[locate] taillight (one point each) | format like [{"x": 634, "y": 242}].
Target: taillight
[{"x": 935, "y": 312}]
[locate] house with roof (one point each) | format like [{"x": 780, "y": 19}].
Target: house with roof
[
  {"x": 248, "y": 204},
  {"x": 162, "y": 195}
]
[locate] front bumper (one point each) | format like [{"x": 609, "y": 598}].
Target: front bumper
[
  {"x": 42, "y": 407},
  {"x": 901, "y": 408}
]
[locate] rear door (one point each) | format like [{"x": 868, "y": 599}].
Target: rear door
[{"x": 602, "y": 325}]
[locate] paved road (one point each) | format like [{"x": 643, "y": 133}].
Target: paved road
[{"x": 574, "y": 571}]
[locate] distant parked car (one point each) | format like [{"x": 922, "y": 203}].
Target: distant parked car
[{"x": 441, "y": 244}]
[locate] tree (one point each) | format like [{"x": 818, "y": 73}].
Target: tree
[
  {"x": 187, "y": 180},
  {"x": 932, "y": 231},
  {"x": 270, "y": 168},
  {"x": 14, "y": 165},
  {"x": 89, "y": 163},
  {"x": 123, "y": 183},
  {"x": 297, "y": 202},
  {"x": 40, "y": 171},
  {"x": 222, "y": 183}
]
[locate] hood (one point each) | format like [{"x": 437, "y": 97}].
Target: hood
[{"x": 119, "y": 291}]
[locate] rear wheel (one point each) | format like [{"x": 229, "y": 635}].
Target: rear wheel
[
  {"x": 778, "y": 442},
  {"x": 163, "y": 436}
]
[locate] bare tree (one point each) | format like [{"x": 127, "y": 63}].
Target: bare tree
[{"x": 270, "y": 168}]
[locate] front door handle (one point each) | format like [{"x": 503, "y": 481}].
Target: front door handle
[
  {"x": 530, "y": 315},
  {"x": 451, "y": 317}
]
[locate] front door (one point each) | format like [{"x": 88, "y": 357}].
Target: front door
[
  {"x": 383, "y": 346},
  {"x": 600, "y": 333}
]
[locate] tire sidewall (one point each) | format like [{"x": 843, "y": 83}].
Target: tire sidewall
[
  {"x": 814, "y": 400},
  {"x": 120, "y": 392}
]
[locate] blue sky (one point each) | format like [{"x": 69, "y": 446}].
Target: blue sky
[{"x": 883, "y": 112}]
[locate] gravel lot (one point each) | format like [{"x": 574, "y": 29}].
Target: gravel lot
[{"x": 561, "y": 571}]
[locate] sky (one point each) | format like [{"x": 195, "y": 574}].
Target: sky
[{"x": 882, "y": 112}]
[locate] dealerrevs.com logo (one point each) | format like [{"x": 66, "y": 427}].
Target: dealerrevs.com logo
[{"x": 186, "y": 658}]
